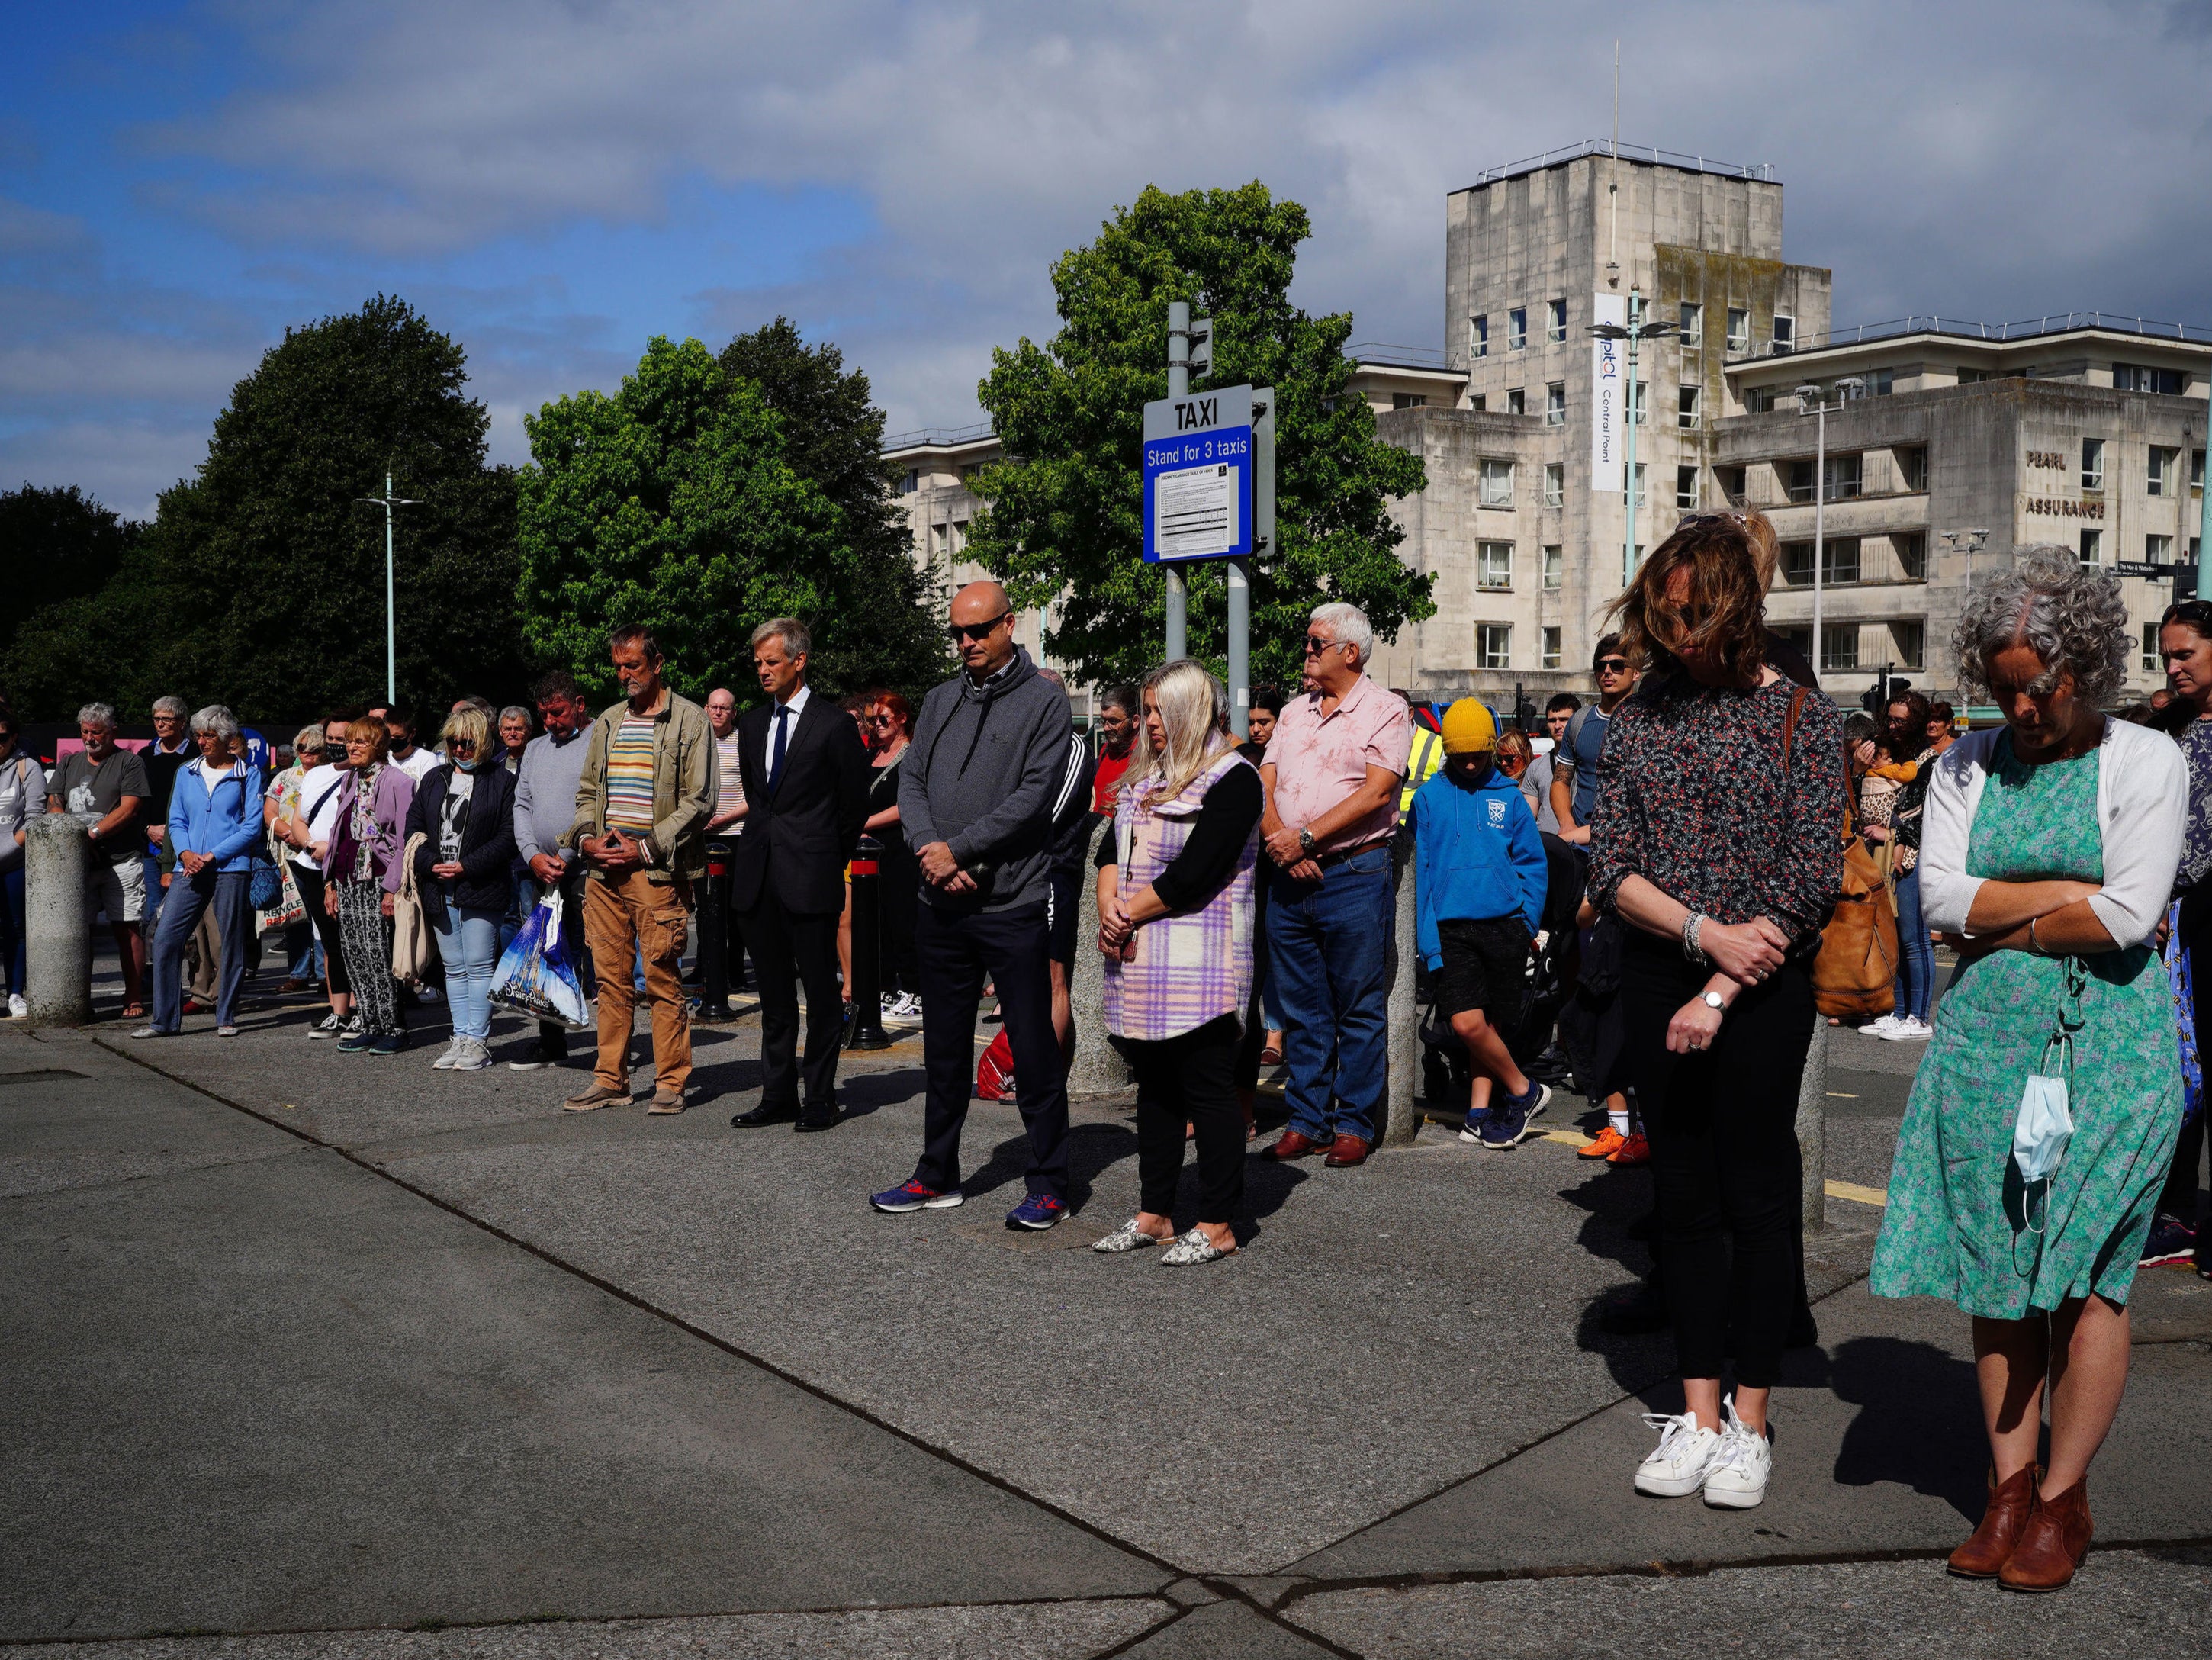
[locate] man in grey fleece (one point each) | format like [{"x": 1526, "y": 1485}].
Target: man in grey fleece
[
  {"x": 976, "y": 797},
  {"x": 545, "y": 809}
]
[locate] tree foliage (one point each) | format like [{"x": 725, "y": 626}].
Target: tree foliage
[
  {"x": 260, "y": 583},
  {"x": 1065, "y": 521},
  {"x": 56, "y": 546},
  {"x": 680, "y": 502}
]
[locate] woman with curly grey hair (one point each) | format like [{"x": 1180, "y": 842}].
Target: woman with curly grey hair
[{"x": 2048, "y": 850}]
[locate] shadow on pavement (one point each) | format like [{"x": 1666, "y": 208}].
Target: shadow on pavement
[{"x": 1918, "y": 1424}]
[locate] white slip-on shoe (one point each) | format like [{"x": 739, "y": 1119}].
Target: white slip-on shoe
[
  {"x": 1676, "y": 1468},
  {"x": 1908, "y": 1030},
  {"x": 1736, "y": 1477},
  {"x": 17, "y": 1008}
]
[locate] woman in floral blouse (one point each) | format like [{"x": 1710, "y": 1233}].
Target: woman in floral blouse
[{"x": 1717, "y": 841}]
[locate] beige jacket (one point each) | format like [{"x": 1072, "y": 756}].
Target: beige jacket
[{"x": 682, "y": 789}]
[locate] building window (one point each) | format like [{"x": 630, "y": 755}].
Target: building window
[
  {"x": 1478, "y": 336},
  {"x": 1555, "y": 483},
  {"x": 1880, "y": 382},
  {"x": 911, "y": 482},
  {"x": 1785, "y": 334},
  {"x": 2093, "y": 464},
  {"x": 2158, "y": 470},
  {"x": 1841, "y": 481},
  {"x": 1911, "y": 548},
  {"x": 1734, "y": 483},
  {"x": 2152, "y": 662},
  {"x": 959, "y": 535},
  {"x": 1555, "y": 563},
  {"x": 1517, "y": 328},
  {"x": 1493, "y": 565},
  {"x": 2134, "y": 377},
  {"x": 2197, "y": 469},
  {"x": 1408, "y": 400},
  {"x": 1839, "y": 647},
  {"x": 1739, "y": 329},
  {"x": 1693, "y": 327},
  {"x": 1558, "y": 330},
  {"x": 1841, "y": 556},
  {"x": 1758, "y": 400},
  {"x": 1494, "y": 645},
  {"x": 1555, "y": 403},
  {"x": 1639, "y": 484},
  {"x": 1496, "y": 485},
  {"x": 1480, "y": 403},
  {"x": 939, "y": 544},
  {"x": 1912, "y": 470},
  {"x": 1517, "y": 402},
  {"x": 2158, "y": 549},
  {"x": 2093, "y": 547},
  {"x": 1908, "y": 639},
  {"x": 1629, "y": 559},
  {"x": 1635, "y": 402},
  {"x": 1686, "y": 408},
  {"x": 1686, "y": 487},
  {"x": 1551, "y": 649}
]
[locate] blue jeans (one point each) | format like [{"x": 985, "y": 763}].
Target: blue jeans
[
  {"x": 231, "y": 894},
  {"x": 468, "y": 943},
  {"x": 1916, "y": 958},
  {"x": 303, "y": 952},
  {"x": 154, "y": 892},
  {"x": 11, "y": 926},
  {"x": 1328, "y": 953}
]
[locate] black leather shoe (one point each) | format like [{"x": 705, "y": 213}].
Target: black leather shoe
[
  {"x": 768, "y": 1112},
  {"x": 817, "y": 1118},
  {"x": 713, "y": 1014}
]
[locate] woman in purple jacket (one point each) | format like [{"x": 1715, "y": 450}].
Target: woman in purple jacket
[{"x": 361, "y": 873}]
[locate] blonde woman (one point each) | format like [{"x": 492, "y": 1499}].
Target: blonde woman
[{"x": 1175, "y": 924}]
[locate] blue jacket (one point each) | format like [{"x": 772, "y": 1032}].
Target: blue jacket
[
  {"x": 1477, "y": 857},
  {"x": 224, "y": 824}
]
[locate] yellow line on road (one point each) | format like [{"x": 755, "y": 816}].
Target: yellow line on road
[{"x": 1857, "y": 1194}]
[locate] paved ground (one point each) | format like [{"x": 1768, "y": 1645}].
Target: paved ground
[{"x": 318, "y": 1354}]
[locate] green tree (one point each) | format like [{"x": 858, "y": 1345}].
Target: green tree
[
  {"x": 676, "y": 502},
  {"x": 260, "y": 583},
  {"x": 56, "y": 545},
  {"x": 1065, "y": 521},
  {"x": 881, "y": 622}
]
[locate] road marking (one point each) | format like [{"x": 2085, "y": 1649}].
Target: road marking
[
  {"x": 1857, "y": 1194},
  {"x": 1568, "y": 1138},
  {"x": 1837, "y": 1094}
]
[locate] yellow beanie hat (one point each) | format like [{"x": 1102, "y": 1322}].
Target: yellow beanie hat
[{"x": 1469, "y": 725}]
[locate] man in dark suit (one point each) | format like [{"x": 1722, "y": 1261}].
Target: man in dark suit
[{"x": 807, "y": 791}]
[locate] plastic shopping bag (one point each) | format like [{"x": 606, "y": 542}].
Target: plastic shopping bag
[
  {"x": 995, "y": 1070},
  {"x": 535, "y": 975}
]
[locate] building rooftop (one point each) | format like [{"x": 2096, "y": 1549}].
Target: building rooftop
[
  {"x": 936, "y": 438},
  {"x": 1647, "y": 155},
  {"x": 1993, "y": 334}
]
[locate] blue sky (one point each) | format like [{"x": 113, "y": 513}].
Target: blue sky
[{"x": 552, "y": 183}]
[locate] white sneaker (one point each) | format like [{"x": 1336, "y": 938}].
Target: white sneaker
[
  {"x": 469, "y": 1054},
  {"x": 445, "y": 1062},
  {"x": 1910, "y": 1031},
  {"x": 1884, "y": 1027},
  {"x": 17, "y": 1008},
  {"x": 329, "y": 1026},
  {"x": 1736, "y": 1477},
  {"x": 1677, "y": 1467}
]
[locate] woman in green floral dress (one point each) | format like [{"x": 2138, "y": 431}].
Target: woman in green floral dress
[{"x": 2048, "y": 850}]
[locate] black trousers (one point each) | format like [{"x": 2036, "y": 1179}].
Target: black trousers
[
  {"x": 791, "y": 950},
  {"x": 309, "y": 880},
  {"x": 1722, "y": 1126},
  {"x": 721, "y": 940},
  {"x": 1189, "y": 1077},
  {"x": 956, "y": 952},
  {"x": 2179, "y": 1197},
  {"x": 897, "y": 899}
]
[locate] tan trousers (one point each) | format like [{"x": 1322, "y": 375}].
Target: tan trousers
[{"x": 620, "y": 917}]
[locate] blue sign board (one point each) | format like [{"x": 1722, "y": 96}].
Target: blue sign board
[{"x": 1198, "y": 476}]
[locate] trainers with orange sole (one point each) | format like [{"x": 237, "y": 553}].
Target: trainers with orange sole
[
  {"x": 1632, "y": 1150},
  {"x": 1608, "y": 1142}
]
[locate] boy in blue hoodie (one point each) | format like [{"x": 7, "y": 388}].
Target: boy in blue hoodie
[{"x": 1480, "y": 894}]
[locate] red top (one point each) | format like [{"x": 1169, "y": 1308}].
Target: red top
[{"x": 1111, "y": 769}]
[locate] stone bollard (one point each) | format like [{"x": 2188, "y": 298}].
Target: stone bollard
[
  {"x": 58, "y": 928},
  {"x": 1401, "y": 1117},
  {"x": 1096, "y": 1069},
  {"x": 1813, "y": 1128}
]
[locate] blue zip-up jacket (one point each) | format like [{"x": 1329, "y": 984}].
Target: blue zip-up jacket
[
  {"x": 224, "y": 824},
  {"x": 1478, "y": 857}
]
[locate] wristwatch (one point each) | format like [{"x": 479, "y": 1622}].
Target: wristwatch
[
  {"x": 1305, "y": 841},
  {"x": 1713, "y": 1000}
]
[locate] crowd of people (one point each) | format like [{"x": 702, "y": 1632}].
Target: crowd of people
[{"x": 1637, "y": 902}]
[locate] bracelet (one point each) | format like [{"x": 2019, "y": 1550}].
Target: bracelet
[
  {"x": 2034, "y": 943},
  {"x": 1691, "y": 926}
]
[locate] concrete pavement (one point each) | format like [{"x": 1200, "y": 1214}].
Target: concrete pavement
[{"x": 312, "y": 1343}]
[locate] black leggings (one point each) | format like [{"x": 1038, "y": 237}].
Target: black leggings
[
  {"x": 1722, "y": 1125},
  {"x": 309, "y": 880},
  {"x": 1190, "y": 1079}
]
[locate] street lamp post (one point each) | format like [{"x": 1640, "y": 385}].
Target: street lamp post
[
  {"x": 388, "y": 501},
  {"x": 1634, "y": 332},
  {"x": 1810, "y": 402}
]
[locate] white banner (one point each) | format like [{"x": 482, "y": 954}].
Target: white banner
[{"x": 1608, "y": 374}]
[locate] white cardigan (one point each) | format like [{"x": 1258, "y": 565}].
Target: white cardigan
[{"x": 2143, "y": 808}]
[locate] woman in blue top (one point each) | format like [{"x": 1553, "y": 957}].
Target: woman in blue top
[{"x": 215, "y": 824}]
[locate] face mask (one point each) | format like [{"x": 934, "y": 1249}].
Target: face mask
[
  {"x": 2045, "y": 1123},
  {"x": 467, "y": 766}
]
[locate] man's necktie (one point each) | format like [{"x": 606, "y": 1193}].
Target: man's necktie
[{"x": 776, "y": 755}]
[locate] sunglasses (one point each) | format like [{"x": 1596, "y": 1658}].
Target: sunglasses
[
  {"x": 882, "y": 720},
  {"x": 1316, "y": 645},
  {"x": 977, "y": 632},
  {"x": 1613, "y": 665}
]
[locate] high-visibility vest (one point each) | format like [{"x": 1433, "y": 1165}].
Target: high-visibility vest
[{"x": 1421, "y": 766}]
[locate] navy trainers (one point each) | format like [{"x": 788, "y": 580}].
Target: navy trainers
[
  {"x": 1039, "y": 1210},
  {"x": 1470, "y": 1128},
  {"x": 1509, "y": 1125},
  {"x": 915, "y": 1196},
  {"x": 354, "y": 1042},
  {"x": 2171, "y": 1240}
]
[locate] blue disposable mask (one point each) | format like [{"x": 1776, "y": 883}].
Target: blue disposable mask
[{"x": 467, "y": 766}]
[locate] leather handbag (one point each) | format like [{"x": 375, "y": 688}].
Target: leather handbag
[
  {"x": 410, "y": 929},
  {"x": 1854, "y": 976}
]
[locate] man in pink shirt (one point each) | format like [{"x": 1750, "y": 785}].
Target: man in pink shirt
[{"x": 1331, "y": 774}]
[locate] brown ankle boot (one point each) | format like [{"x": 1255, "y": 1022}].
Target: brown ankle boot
[
  {"x": 2002, "y": 1523},
  {"x": 2052, "y": 1546}
]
